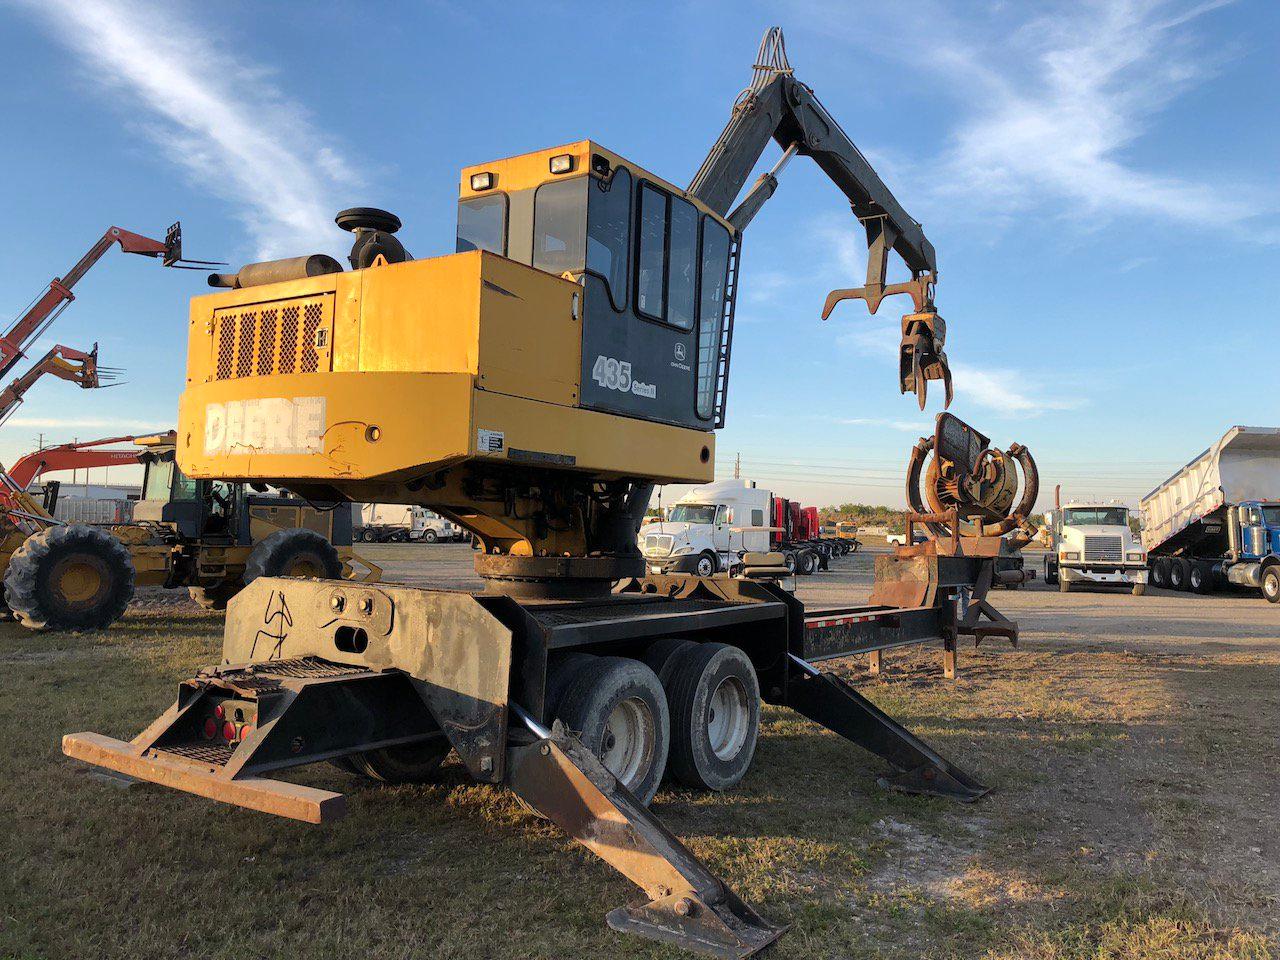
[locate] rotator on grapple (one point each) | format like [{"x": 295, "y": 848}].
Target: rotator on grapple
[{"x": 533, "y": 388}]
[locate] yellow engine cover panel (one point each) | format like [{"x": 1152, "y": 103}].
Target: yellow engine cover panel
[{"x": 389, "y": 373}]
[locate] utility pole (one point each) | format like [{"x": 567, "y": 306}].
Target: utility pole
[
  {"x": 39, "y": 441},
  {"x": 737, "y": 466}
]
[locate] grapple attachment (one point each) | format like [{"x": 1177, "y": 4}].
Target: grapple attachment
[{"x": 921, "y": 357}]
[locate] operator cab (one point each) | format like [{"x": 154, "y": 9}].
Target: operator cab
[
  {"x": 194, "y": 509},
  {"x": 654, "y": 263}
]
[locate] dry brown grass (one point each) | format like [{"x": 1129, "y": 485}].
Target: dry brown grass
[{"x": 1134, "y": 817}]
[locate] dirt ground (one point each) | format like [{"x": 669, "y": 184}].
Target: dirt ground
[{"x": 1131, "y": 743}]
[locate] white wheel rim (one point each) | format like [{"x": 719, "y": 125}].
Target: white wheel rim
[
  {"x": 704, "y": 567},
  {"x": 629, "y": 737},
  {"x": 728, "y": 718}
]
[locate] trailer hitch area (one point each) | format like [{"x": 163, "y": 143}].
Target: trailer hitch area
[{"x": 689, "y": 906}]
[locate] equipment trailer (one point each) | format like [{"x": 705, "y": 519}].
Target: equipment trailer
[{"x": 564, "y": 379}]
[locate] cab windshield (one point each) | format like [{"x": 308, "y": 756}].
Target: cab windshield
[
  {"x": 693, "y": 513},
  {"x": 1271, "y": 516},
  {"x": 1095, "y": 517}
]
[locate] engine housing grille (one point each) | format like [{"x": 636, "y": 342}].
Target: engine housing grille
[
  {"x": 1103, "y": 548},
  {"x": 284, "y": 336}
]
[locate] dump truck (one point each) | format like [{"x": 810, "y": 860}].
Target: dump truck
[
  {"x": 1216, "y": 522},
  {"x": 401, "y": 523},
  {"x": 573, "y": 353}
]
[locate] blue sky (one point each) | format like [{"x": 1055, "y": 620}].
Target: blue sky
[{"x": 1099, "y": 179}]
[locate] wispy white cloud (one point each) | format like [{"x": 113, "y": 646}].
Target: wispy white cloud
[
  {"x": 1050, "y": 103},
  {"x": 217, "y": 115},
  {"x": 907, "y": 426}
]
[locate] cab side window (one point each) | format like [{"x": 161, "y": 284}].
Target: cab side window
[
  {"x": 609, "y": 233},
  {"x": 722, "y": 515},
  {"x": 667, "y": 258}
]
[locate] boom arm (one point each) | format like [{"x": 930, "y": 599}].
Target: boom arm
[{"x": 778, "y": 107}]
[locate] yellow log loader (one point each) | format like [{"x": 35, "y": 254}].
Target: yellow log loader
[{"x": 533, "y": 387}]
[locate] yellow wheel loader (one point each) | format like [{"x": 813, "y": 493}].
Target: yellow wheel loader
[{"x": 533, "y": 387}]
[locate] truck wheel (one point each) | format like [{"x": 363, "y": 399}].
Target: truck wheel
[
  {"x": 789, "y": 559},
  {"x": 1139, "y": 589},
  {"x": 411, "y": 763},
  {"x": 1271, "y": 584},
  {"x": 1200, "y": 578},
  {"x": 1179, "y": 573},
  {"x": 430, "y": 536},
  {"x": 1158, "y": 572},
  {"x": 293, "y": 553},
  {"x": 714, "y": 698},
  {"x": 217, "y": 596},
  {"x": 619, "y": 711},
  {"x": 662, "y": 655},
  {"x": 706, "y": 565},
  {"x": 1064, "y": 586},
  {"x": 69, "y": 578},
  {"x": 561, "y": 672},
  {"x": 1050, "y": 573},
  {"x": 808, "y": 563},
  {"x": 368, "y": 536}
]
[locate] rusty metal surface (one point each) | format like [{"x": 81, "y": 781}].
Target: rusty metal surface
[
  {"x": 689, "y": 906},
  {"x": 268, "y": 796},
  {"x": 458, "y": 653}
]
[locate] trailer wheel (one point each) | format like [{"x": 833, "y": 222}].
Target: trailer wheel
[
  {"x": 69, "y": 578},
  {"x": 293, "y": 553},
  {"x": 706, "y": 565},
  {"x": 661, "y": 656},
  {"x": 1179, "y": 573},
  {"x": 714, "y": 698},
  {"x": 217, "y": 596},
  {"x": 561, "y": 672},
  {"x": 619, "y": 711},
  {"x": 1271, "y": 584},
  {"x": 411, "y": 763},
  {"x": 1158, "y": 572}
]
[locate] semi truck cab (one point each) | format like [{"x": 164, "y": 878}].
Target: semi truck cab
[
  {"x": 707, "y": 529},
  {"x": 1092, "y": 543}
]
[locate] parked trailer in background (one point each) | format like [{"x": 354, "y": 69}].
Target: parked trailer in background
[{"x": 1217, "y": 520}]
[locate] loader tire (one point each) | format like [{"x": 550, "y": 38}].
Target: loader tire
[
  {"x": 411, "y": 763},
  {"x": 714, "y": 699},
  {"x": 69, "y": 578},
  {"x": 618, "y": 709},
  {"x": 561, "y": 672},
  {"x": 293, "y": 553},
  {"x": 217, "y": 596}
]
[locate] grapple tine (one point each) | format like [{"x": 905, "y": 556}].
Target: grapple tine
[{"x": 689, "y": 906}]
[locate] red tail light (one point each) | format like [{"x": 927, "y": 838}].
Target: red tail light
[
  {"x": 246, "y": 731},
  {"x": 229, "y": 732},
  {"x": 220, "y": 712},
  {"x": 210, "y": 728}
]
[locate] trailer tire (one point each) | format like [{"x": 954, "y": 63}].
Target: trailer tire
[
  {"x": 618, "y": 709},
  {"x": 1158, "y": 571},
  {"x": 562, "y": 670},
  {"x": 217, "y": 596},
  {"x": 410, "y": 763},
  {"x": 1179, "y": 574},
  {"x": 1271, "y": 583},
  {"x": 293, "y": 553},
  {"x": 706, "y": 565},
  {"x": 72, "y": 577},
  {"x": 661, "y": 656},
  {"x": 714, "y": 698}
]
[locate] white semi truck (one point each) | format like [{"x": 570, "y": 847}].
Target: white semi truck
[
  {"x": 399, "y": 523},
  {"x": 1092, "y": 544},
  {"x": 708, "y": 528},
  {"x": 1217, "y": 520}
]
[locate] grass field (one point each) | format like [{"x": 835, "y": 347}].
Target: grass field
[{"x": 1132, "y": 743}]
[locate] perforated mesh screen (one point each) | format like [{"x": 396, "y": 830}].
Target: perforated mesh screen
[{"x": 261, "y": 341}]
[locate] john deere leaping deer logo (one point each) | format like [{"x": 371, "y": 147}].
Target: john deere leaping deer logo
[{"x": 276, "y": 622}]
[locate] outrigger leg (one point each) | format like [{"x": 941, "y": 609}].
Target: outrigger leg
[
  {"x": 832, "y": 702},
  {"x": 689, "y": 905}
]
